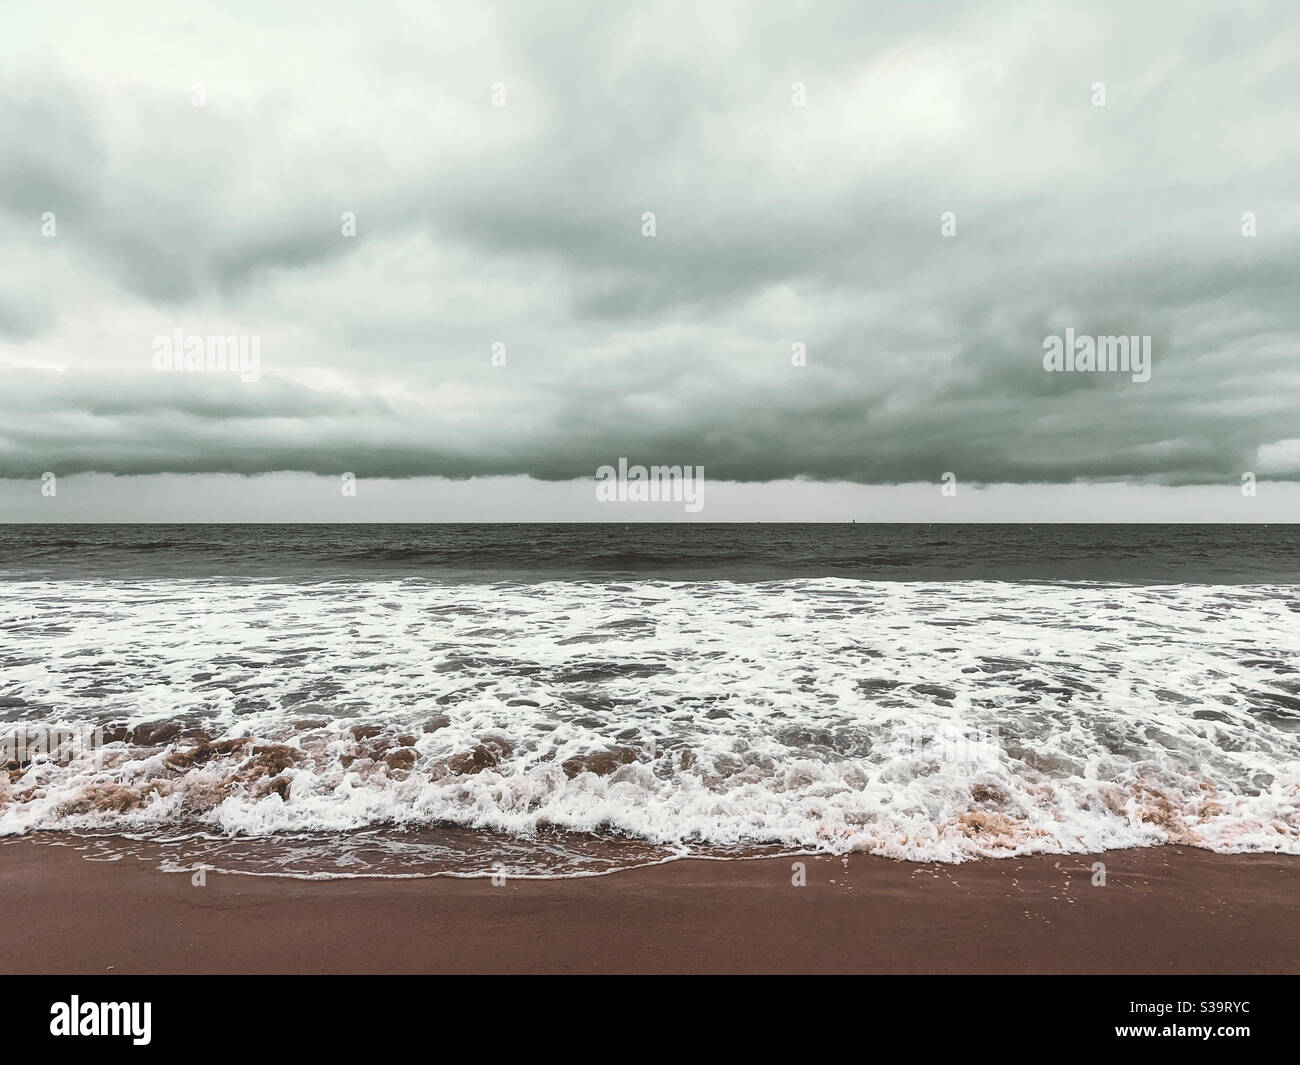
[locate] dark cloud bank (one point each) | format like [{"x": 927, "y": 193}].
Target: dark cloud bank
[{"x": 776, "y": 225}]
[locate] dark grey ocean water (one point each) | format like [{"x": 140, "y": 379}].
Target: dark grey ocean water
[
  {"x": 1139, "y": 553},
  {"x": 568, "y": 699}
]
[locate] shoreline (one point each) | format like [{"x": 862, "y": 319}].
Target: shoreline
[{"x": 1165, "y": 910}]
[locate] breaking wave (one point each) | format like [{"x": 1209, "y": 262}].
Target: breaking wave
[{"x": 382, "y": 726}]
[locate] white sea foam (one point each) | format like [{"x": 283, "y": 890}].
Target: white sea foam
[{"x": 938, "y": 721}]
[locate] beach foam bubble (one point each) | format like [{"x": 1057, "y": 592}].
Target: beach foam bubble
[{"x": 924, "y": 720}]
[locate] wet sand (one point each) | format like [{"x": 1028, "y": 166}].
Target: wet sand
[{"x": 1164, "y": 910}]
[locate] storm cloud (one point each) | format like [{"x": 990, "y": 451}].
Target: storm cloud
[{"x": 198, "y": 164}]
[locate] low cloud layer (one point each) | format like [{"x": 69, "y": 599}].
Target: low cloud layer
[{"x": 775, "y": 225}]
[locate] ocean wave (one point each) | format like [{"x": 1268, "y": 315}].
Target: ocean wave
[{"x": 924, "y": 720}]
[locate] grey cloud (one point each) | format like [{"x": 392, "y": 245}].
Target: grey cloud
[{"x": 775, "y": 225}]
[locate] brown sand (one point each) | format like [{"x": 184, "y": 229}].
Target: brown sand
[{"x": 1163, "y": 910}]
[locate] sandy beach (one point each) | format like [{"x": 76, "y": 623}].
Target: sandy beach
[{"x": 1165, "y": 910}]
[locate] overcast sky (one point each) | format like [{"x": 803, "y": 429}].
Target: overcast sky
[{"x": 198, "y": 161}]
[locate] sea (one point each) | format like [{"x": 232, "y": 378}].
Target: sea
[{"x": 570, "y": 700}]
